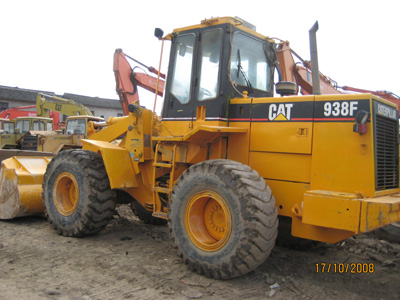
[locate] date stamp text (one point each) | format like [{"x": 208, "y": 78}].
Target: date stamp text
[{"x": 352, "y": 268}]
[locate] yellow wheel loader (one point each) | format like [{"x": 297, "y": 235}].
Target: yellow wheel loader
[{"x": 226, "y": 157}]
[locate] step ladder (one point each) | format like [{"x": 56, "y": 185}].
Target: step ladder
[{"x": 157, "y": 190}]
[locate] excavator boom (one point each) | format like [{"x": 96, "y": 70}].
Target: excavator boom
[
  {"x": 46, "y": 103},
  {"x": 383, "y": 94},
  {"x": 301, "y": 74},
  {"x": 127, "y": 80}
]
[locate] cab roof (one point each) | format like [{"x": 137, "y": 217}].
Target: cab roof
[
  {"x": 91, "y": 118},
  {"x": 35, "y": 118},
  {"x": 235, "y": 21}
]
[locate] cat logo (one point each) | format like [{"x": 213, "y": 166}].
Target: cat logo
[{"x": 280, "y": 112}]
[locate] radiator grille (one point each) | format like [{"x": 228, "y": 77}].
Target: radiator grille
[
  {"x": 30, "y": 142},
  {"x": 387, "y": 153}
]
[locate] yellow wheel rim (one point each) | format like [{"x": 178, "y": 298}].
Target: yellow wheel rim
[
  {"x": 66, "y": 194},
  {"x": 208, "y": 221}
]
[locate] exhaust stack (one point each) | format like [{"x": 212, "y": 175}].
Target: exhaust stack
[{"x": 314, "y": 59}]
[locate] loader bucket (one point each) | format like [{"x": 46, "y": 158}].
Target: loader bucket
[
  {"x": 7, "y": 153},
  {"x": 21, "y": 186}
]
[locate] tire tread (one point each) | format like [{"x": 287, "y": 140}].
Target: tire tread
[
  {"x": 100, "y": 202},
  {"x": 259, "y": 214}
]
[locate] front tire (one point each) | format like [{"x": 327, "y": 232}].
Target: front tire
[
  {"x": 77, "y": 194},
  {"x": 223, "y": 218}
]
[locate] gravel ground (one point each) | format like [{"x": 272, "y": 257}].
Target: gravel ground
[{"x": 133, "y": 260}]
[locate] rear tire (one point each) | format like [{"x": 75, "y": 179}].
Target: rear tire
[
  {"x": 77, "y": 194},
  {"x": 223, "y": 218}
]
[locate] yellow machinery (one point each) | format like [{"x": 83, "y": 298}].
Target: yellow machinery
[
  {"x": 48, "y": 141},
  {"x": 77, "y": 128},
  {"x": 43, "y": 123},
  {"x": 226, "y": 157},
  {"x": 7, "y": 126},
  {"x": 7, "y": 132},
  {"x": 9, "y": 140},
  {"x": 34, "y": 134},
  {"x": 46, "y": 103}
]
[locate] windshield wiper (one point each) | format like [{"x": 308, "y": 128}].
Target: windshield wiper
[
  {"x": 240, "y": 70},
  {"x": 239, "y": 64}
]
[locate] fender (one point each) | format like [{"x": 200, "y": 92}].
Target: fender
[{"x": 118, "y": 163}]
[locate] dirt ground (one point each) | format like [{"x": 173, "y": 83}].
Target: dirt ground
[{"x": 133, "y": 260}]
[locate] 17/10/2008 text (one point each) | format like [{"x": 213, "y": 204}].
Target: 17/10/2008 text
[{"x": 355, "y": 268}]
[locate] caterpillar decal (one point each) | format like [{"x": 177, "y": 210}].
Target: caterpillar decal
[{"x": 305, "y": 111}]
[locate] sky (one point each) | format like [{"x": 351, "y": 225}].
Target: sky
[{"x": 67, "y": 46}]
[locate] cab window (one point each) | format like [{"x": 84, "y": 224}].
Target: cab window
[
  {"x": 23, "y": 126},
  {"x": 38, "y": 125},
  {"x": 210, "y": 60},
  {"x": 49, "y": 126},
  {"x": 249, "y": 64},
  {"x": 183, "y": 60},
  {"x": 76, "y": 126},
  {"x": 9, "y": 127}
]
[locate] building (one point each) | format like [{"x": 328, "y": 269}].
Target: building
[{"x": 16, "y": 97}]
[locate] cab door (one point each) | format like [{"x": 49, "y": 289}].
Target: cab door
[
  {"x": 193, "y": 88},
  {"x": 179, "y": 105},
  {"x": 207, "y": 98}
]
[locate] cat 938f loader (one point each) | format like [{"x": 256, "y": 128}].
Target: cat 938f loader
[{"x": 226, "y": 157}]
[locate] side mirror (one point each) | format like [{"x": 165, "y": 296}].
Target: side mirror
[{"x": 158, "y": 33}]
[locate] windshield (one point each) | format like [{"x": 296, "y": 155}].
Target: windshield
[
  {"x": 8, "y": 127},
  {"x": 38, "y": 125},
  {"x": 249, "y": 64},
  {"x": 49, "y": 126},
  {"x": 76, "y": 126},
  {"x": 23, "y": 126}
]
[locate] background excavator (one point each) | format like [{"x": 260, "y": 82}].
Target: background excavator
[
  {"x": 26, "y": 111},
  {"x": 26, "y": 135},
  {"x": 79, "y": 125},
  {"x": 226, "y": 162},
  {"x": 45, "y": 119}
]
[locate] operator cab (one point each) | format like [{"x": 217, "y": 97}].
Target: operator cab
[
  {"x": 78, "y": 125},
  {"x": 25, "y": 124},
  {"x": 7, "y": 126},
  {"x": 212, "y": 63}
]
